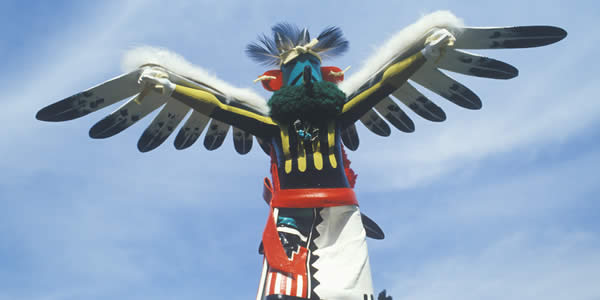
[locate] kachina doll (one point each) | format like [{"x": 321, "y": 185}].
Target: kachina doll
[{"x": 314, "y": 241}]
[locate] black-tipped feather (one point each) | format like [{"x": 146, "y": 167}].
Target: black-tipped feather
[
  {"x": 93, "y": 99},
  {"x": 215, "y": 135},
  {"x": 509, "y": 37},
  {"x": 375, "y": 123},
  {"x": 350, "y": 137},
  {"x": 419, "y": 104},
  {"x": 242, "y": 141},
  {"x": 443, "y": 85},
  {"x": 163, "y": 125},
  {"x": 191, "y": 130},
  {"x": 126, "y": 116},
  {"x": 394, "y": 114},
  {"x": 476, "y": 65}
]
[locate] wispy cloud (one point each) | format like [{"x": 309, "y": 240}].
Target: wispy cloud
[
  {"x": 524, "y": 265},
  {"x": 522, "y": 235}
]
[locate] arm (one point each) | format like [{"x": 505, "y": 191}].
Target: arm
[
  {"x": 238, "y": 116},
  {"x": 215, "y": 106},
  {"x": 392, "y": 77}
]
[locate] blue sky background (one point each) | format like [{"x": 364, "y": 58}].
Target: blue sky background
[{"x": 500, "y": 203}]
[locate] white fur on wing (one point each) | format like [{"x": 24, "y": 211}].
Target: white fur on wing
[
  {"x": 400, "y": 42},
  {"x": 139, "y": 56}
]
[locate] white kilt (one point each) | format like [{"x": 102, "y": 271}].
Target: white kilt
[{"x": 342, "y": 264}]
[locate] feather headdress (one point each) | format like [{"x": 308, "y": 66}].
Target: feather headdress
[{"x": 288, "y": 38}]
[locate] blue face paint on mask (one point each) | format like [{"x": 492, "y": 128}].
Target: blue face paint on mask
[{"x": 294, "y": 70}]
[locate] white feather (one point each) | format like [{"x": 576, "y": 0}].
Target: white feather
[
  {"x": 139, "y": 56},
  {"x": 400, "y": 42}
]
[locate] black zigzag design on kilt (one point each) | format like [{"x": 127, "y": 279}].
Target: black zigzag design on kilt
[{"x": 313, "y": 258}]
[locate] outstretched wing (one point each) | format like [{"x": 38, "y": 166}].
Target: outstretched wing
[
  {"x": 430, "y": 76},
  {"x": 140, "y": 102}
]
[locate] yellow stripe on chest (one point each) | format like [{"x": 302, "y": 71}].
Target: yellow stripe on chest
[
  {"x": 331, "y": 144},
  {"x": 301, "y": 157},
  {"x": 301, "y": 146},
  {"x": 285, "y": 144},
  {"x": 317, "y": 156}
]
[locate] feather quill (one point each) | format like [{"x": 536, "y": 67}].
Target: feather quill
[{"x": 287, "y": 36}]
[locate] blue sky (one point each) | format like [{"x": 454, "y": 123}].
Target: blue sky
[{"x": 500, "y": 203}]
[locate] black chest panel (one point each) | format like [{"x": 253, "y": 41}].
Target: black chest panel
[{"x": 310, "y": 163}]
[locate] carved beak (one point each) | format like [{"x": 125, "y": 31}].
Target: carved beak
[{"x": 308, "y": 78}]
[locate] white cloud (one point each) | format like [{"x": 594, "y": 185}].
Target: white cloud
[
  {"x": 496, "y": 202},
  {"x": 70, "y": 59}
]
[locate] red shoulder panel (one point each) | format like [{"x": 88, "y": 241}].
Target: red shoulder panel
[
  {"x": 327, "y": 76},
  {"x": 272, "y": 84}
]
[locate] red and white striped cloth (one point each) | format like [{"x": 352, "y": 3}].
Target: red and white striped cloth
[{"x": 286, "y": 284}]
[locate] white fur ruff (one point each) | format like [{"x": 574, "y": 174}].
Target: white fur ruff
[
  {"x": 398, "y": 44},
  {"x": 139, "y": 56}
]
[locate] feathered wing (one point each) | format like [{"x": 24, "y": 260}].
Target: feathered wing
[
  {"x": 430, "y": 76},
  {"x": 141, "y": 102}
]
